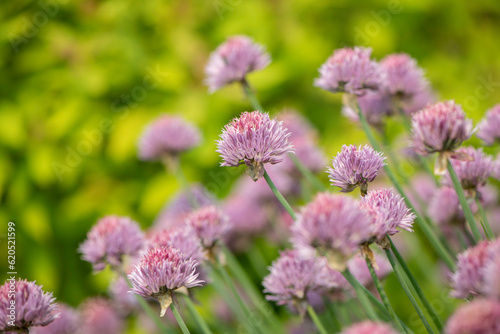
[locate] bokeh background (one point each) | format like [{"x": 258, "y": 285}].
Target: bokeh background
[{"x": 80, "y": 80}]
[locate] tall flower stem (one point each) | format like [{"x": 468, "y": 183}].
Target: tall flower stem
[
  {"x": 178, "y": 317},
  {"x": 426, "y": 228},
  {"x": 370, "y": 312},
  {"x": 279, "y": 196},
  {"x": 311, "y": 178},
  {"x": 316, "y": 320},
  {"x": 254, "y": 101},
  {"x": 196, "y": 316},
  {"x": 383, "y": 295},
  {"x": 463, "y": 202},
  {"x": 484, "y": 221},
  {"x": 416, "y": 287},
  {"x": 337, "y": 326},
  {"x": 149, "y": 311},
  {"x": 400, "y": 276}
]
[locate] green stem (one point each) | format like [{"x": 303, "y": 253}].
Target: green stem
[
  {"x": 463, "y": 202},
  {"x": 484, "y": 221},
  {"x": 149, "y": 311},
  {"x": 337, "y": 326},
  {"x": 251, "y": 95},
  {"x": 316, "y": 320},
  {"x": 280, "y": 197},
  {"x": 426, "y": 228},
  {"x": 178, "y": 317},
  {"x": 361, "y": 295},
  {"x": 311, "y": 178},
  {"x": 416, "y": 287},
  {"x": 399, "y": 275},
  {"x": 197, "y": 316},
  {"x": 383, "y": 295}
]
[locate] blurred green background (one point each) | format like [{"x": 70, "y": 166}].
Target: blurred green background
[{"x": 72, "y": 80}]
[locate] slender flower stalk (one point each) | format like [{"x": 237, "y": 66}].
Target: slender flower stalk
[
  {"x": 407, "y": 291},
  {"x": 249, "y": 92},
  {"x": 463, "y": 202},
  {"x": 316, "y": 320},
  {"x": 362, "y": 295},
  {"x": 421, "y": 221},
  {"x": 484, "y": 221},
  {"x": 416, "y": 287},
  {"x": 179, "y": 319},
  {"x": 196, "y": 316},
  {"x": 279, "y": 196},
  {"x": 383, "y": 295}
]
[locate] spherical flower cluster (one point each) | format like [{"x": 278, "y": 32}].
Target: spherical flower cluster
[
  {"x": 209, "y": 224},
  {"x": 389, "y": 211},
  {"x": 66, "y": 323},
  {"x": 404, "y": 79},
  {"x": 334, "y": 226},
  {"x": 33, "y": 306},
  {"x": 472, "y": 173},
  {"x": 467, "y": 280},
  {"x": 123, "y": 302},
  {"x": 478, "y": 317},
  {"x": 444, "y": 208},
  {"x": 110, "y": 240},
  {"x": 441, "y": 127},
  {"x": 233, "y": 60},
  {"x": 369, "y": 327},
  {"x": 292, "y": 277},
  {"x": 489, "y": 127},
  {"x": 184, "y": 239},
  {"x": 167, "y": 137},
  {"x": 98, "y": 317},
  {"x": 491, "y": 273},
  {"x": 160, "y": 272},
  {"x": 253, "y": 139},
  {"x": 350, "y": 70},
  {"x": 353, "y": 167}
]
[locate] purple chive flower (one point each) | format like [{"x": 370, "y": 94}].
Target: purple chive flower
[
  {"x": 419, "y": 101},
  {"x": 110, "y": 240},
  {"x": 122, "y": 301},
  {"x": 489, "y": 127},
  {"x": 357, "y": 266},
  {"x": 472, "y": 173},
  {"x": 441, "y": 127},
  {"x": 375, "y": 106},
  {"x": 33, "y": 306},
  {"x": 404, "y": 79},
  {"x": 389, "y": 211},
  {"x": 233, "y": 60},
  {"x": 167, "y": 137},
  {"x": 246, "y": 214},
  {"x": 353, "y": 167},
  {"x": 491, "y": 272},
  {"x": 292, "y": 277},
  {"x": 66, "y": 323},
  {"x": 253, "y": 139},
  {"x": 468, "y": 277},
  {"x": 369, "y": 327},
  {"x": 478, "y": 317},
  {"x": 184, "y": 239},
  {"x": 98, "y": 317},
  {"x": 444, "y": 208},
  {"x": 334, "y": 226},
  {"x": 162, "y": 271},
  {"x": 350, "y": 70}
]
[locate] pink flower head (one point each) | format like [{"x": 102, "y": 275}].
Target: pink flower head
[
  {"x": 441, "y": 127},
  {"x": 357, "y": 266},
  {"x": 491, "y": 272},
  {"x": 375, "y": 106},
  {"x": 404, "y": 79},
  {"x": 353, "y": 167},
  {"x": 389, "y": 211},
  {"x": 444, "y": 208},
  {"x": 253, "y": 139},
  {"x": 292, "y": 277},
  {"x": 166, "y": 137},
  {"x": 233, "y": 60},
  {"x": 33, "y": 306},
  {"x": 467, "y": 280},
  {"x": 66, "y": 323},
  {"x": 478, "y": 317},
  {"x": 98, "y": 317},
  {"x": 122, "y": 301},
  {"x": 160, "y": 272},
  {"x": 369, "y": 327},
  {"x": 110, "y": 240},
  {"x": 209, "y": 224},
  {"x": 334, "y": 226},
  {"x": 489, "y": 127},
  {"x": 182, "y": 238},
  {"x": 472, "y": 173},
  {"x": 350, "y": 70}
]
